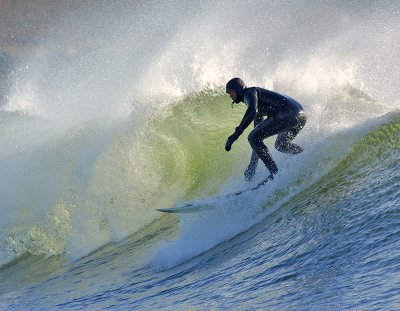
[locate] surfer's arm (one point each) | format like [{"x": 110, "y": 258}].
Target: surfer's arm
[{"x": 250, "y": 100}]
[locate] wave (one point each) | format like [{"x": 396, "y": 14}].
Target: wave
[
  {"x": 112, "y": 110},
  {"x": 367, "y": 157},
  {"x": 71, "y": 190}
]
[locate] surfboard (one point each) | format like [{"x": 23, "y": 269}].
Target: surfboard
[
  {"x": 186, "y": 208},
  {"x": 195, "y": 208}
]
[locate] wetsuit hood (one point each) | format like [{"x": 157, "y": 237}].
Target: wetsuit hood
[{"x": 238, "y": 86}]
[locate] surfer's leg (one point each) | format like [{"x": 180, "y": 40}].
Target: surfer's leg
[
  {"x": 283, "y": 141},
  {"x": 251, "y": 169},
  {"x": 265, "y": 129}
]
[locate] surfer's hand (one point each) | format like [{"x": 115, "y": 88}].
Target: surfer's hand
[
  {"x": 229, "y": 142},
  {"x": 231, "y": 139}
]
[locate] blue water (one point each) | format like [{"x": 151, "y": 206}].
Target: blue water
[{"x": 94, "y": 139}]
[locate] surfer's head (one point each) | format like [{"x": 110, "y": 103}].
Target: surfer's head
[{"x": 235, "y": 88}]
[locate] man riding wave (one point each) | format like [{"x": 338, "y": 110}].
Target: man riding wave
[{"x": 284, "y": 117}]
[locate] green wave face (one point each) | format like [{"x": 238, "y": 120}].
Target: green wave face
[
  {"x": 105, "y": 182},
  {"x": 189, "y": 140}
]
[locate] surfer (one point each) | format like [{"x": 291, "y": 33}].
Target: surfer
[{"x": 284, "y": 117}]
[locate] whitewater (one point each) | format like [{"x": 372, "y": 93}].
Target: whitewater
[{"x": 119, "y": 108}]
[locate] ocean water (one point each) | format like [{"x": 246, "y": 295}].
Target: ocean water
[{"x": 119, "y": 108}]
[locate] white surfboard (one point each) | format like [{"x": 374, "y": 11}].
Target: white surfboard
[{"x": 187, "y": 208}]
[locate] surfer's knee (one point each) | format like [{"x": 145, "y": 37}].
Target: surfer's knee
[
  {"x": 288, "y": 148},
  {"x": 296, "y": 149},
  {"x": 254, "y": 139},
  {"x": 251, "y": 139},
  {"x": 281, "y": 147}
]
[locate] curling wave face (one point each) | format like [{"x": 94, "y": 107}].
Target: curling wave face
[{"x": 79, "y": 188}]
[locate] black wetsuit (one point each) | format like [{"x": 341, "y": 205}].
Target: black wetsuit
[{"x": 285, "y": 118}]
